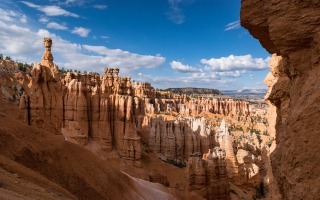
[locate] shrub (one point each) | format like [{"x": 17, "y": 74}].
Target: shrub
[{"x": 177, "y": 164}]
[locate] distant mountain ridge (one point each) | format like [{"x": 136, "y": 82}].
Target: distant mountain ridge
[
  {"x": 191, "y": 90},
  {"x": 245, "y": 91}
]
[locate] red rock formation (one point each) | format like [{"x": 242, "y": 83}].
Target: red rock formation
[
  {"x": 208, "y": 177},
  {"x": 8, "y": 66},
  {"x": 224, "y": 141},
  {"x": 157, "y": 176},
  {"x": 177, "y": 139},
  {"x": 248, "y": 170},
  {"x": 100, "y": 110},
  {"x": 83, "y": 107},
  {"x": 43, "y": 101},
  {"x": 110, "y": 112},
  {"x": 290, "y": 29},
  {"x": 193, "y": 107}
]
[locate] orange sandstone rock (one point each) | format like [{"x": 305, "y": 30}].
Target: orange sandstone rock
[{"x": 290, "y": 29}]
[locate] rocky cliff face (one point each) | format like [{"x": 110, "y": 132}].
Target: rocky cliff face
[
  {"x": 187, "y": 106},
  {"x": 208, "y": 176},
  {"x": 109, "y": 111},
  {"x": 83, "y": 107},
  {"x": 290, "y": 30},
  {"x": 177, "y": 139},
  {"x": 96, "y": 109},
  {"x": 224, "y": 142},
  {"x": 42, "y": 102}
]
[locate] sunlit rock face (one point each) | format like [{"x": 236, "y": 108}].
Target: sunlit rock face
[
  {"x": 42, "y": 104},
  {"x": 290, "y": 30},
  {"x": 177, "y": 139},
  {"x": 224, "y": 141},
  {"x": 83, "y": 107},
  {"x": 110, "y": 110},
  {"x": 101, "y": 108},
  {"x": 207, "y": 176}
]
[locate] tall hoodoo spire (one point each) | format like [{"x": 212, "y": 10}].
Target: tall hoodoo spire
[{"x": 47, "y": 58}]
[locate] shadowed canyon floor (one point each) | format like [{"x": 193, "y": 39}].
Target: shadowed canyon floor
[{"x": 58, "y": 169}]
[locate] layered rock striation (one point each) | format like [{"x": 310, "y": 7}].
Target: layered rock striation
[
  {"x": 290, "y": 31},
  {"x": 177, "y": 139},
  {"x": 111, "y": 111},
  {"x": 83, "y": 107},
  {"x": 207, "y": 176}
]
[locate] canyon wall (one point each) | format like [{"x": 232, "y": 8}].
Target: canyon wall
[
  {"x": 177, "y": 139},
  {"x": 109, "y": 110},
  {"x": 290, "y": 30},
  {"x": 112, "y": 114},
  {"x": 83, "y": 107},
  {"x": 207, "y": 176}
]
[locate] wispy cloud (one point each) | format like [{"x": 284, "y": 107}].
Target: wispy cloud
[
  {"x": 82, "y": 32},
  {"x": 196, "y": 79},
  {"x": 233, "y": 25},
  {"x": 176, "y": 13},
  {"x": 101, "y": 7},
  {"x": 50, "y": 10},
  {"x": 20, "y": 42},
  {"x": 24, "y": 19},
  {"x": 54, "y": 25},
  {"x": 104, "y": 37},
  {"x": 233, "y": 74},
  {"x": 74, "y": 2},
  {"x": 43, "y": 19},
  {"x": 70, "y": 1},
  {"x": 10, "y": 16},
  {"x": 178, "y": 66},
  {"x": 124, "y": 58}
]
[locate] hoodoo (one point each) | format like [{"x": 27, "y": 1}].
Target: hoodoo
[{"x": 214, "y": 143}]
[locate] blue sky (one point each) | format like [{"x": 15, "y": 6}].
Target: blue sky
[{"x": 170, "y": 43}]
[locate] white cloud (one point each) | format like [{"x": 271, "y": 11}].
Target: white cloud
[
  {"x": 233, "y": 25},
  {"x": 194, "y": 80},
  {"x": 24, "y": 19},
  {"x": 234, "y": 74},
  {"x": 231, "y": 66},
  {"x": 56, "y": 26},
  {"x": 70, "y": 1},
  {"x": 10, "y": 16},
  {"x": 125, "y": 59},
  {"x": 21, "y": 42},
  {"x": 43, "y": 19},
  {"x": 232, "y": 63},
  {"x": 178, "y": 66},
  {"x": 83, "y": 32},
  {"x": 50, "y": 10},
  {"x": 175, "y": 14},
  {"x": 18, "y": 40},
  {"x": 73, "y": 2},
  {"x": 101, "y": 7},
  {"x": 104, "y": 37}
]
